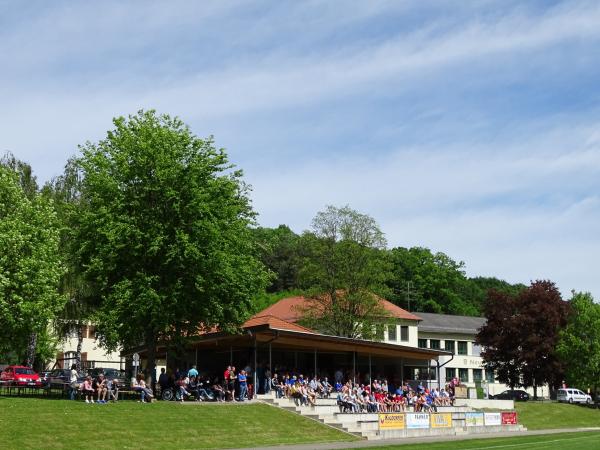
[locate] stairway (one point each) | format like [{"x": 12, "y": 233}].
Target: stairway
[{"x": 366, "y": 426}]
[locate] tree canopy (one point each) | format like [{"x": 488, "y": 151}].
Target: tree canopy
[
  {"x": 30, "y": 266},
  {"x": 163, "y": 233},
  {"x": 579, "y": 344},
  {"x": 343, "y": 268},
  {"x": 521, "y": 335}
]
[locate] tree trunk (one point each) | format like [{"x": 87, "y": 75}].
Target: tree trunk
[
  {"x": 151, "y": 363},
  {"x": 79, "y": 345},
  {"x": 535, "y": 391},
  {"x": 31, "y": 347}
]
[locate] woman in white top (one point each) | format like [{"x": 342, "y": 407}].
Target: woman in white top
[{"x": 73, "y": 385}]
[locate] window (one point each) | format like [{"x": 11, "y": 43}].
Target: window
[
  {"x": 463, "y": 375},
  {"x": 449, "y": 346},
  {"x": 462, "y": 348},
  {"x": 450, "y": 373},
  {"x": 434, "y": 344},
  {"x": 379, "y": 332},
  {"x": 477, "y": 374},
  {"x": 392, "y": 336},
  {"x": 476, "y": 349},
  {"x": 404, "y": 333},
  {"x": 422, "y": 343},
  {"x": 489, "y": 376}
]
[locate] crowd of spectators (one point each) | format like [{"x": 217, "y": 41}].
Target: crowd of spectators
[
  {"x": 352, "y": 396},
  {"x": 356, "y": 397}
]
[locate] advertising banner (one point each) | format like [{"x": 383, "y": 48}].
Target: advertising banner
[
  {"x": 391, "y": 421},
  {"x": 460, "y": 392},
  {"x": 474, "y": 419},
  {"x": 442, "y": 420},
  {"x": 509, "y": 418},
  {"x": 417, "y": 420},
  {"x": 492, "y": 419}
]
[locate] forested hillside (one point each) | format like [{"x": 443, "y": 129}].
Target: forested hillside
[{"x": 416, "y": 278}]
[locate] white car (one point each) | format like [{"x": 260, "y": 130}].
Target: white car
[{"x": 573, "y": 396}]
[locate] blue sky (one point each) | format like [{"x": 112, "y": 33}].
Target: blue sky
[{"x": 469, "y": 127}]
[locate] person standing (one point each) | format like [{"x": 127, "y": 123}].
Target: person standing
[
  {"x": 231, "y": 383},
  {"x": 243, "y": 385},
  {"x": 73, "y": 375}
]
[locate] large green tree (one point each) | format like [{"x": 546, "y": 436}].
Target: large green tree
[
  {"x": 30, "y": 266},
  {"x": 163, "y": 233},
  {"x": 579, "y": 344},
  {"x": 65, "y": 192},
  {"x": 343, "y": 269}
]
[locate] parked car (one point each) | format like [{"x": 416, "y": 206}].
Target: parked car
[
  {"x": 45, "y": 377},
  {"x": 61, "y": 378},
  {"x": 571, "y": 395},
  {"x": 20, "y": 376},
  {"x": 512, "y": 394}
]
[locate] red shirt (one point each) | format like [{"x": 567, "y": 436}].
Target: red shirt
[{"x": 226, "y": 375}]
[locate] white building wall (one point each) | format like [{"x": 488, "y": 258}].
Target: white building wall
[
  {"x": 90, "y": 349},
  {"x": 413, "y": 332}
]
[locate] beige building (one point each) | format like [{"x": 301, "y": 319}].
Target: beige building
[{"x": 92, "y": 355}]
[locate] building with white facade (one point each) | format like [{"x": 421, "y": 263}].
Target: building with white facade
[{"x": 92, "y": 355}]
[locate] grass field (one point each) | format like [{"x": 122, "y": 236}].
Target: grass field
[
  {"x": 35, "y": 423},
  {"x": 563, "y": 441},
  {"x": 29, "y": 423},
  {"x": 540, "y": 416}
]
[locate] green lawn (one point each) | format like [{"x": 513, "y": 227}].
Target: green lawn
[
  {"x": 545, "y": 415},
  {"x": 563, "y": 441},
  {"x": 33, "y": 423}
]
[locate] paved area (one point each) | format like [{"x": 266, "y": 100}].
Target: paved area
[{"x": 416, "y": 440}]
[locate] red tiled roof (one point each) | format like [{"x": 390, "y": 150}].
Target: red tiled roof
[
  {"x": 275, "y": 323},
  {"x": 290, "y": 309}
]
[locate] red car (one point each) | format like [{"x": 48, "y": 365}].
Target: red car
[{"x": 20, "y": 376}]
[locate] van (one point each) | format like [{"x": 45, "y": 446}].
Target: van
[{"x": 573, "y": 396}]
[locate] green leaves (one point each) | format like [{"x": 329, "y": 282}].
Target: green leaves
[
  {"x": 30, "y": 265},
  {"x": 579, "y": 344},
  {"x": 164, "y": 232},
  {"x": 344, "y": 264}
]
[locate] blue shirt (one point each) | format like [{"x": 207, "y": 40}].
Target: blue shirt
[
  {"x": 192, "y": 373},
  {"x": 242, "y": 380}
]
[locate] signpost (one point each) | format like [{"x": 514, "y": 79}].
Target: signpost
[{"x": 136, "y": 363}]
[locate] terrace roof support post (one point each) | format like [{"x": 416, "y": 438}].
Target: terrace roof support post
[
  {"x": 295, "y": 360},
  {"x": 428, "y": 374},
  {"x": 315, "y": 363},
  {"x": 354, "y": 367},
  {"x": 402, "y": 370},
  {"x": 438, "y": 375},
  {"x": 270, "y": 360},
  {"x": 370, "y": 375},
  {"x": 230, "y": 355},
  {"x": 255, "y": 390},
  {"x": 196, "y": 357}
]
